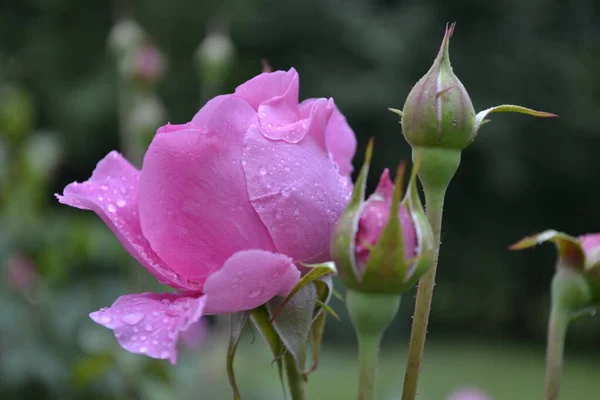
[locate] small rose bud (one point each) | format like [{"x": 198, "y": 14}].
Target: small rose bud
[
  {"x": 384, "y": 244},
  {"x": 438, "y": 110},
  {"x": 439, "y": 121}
]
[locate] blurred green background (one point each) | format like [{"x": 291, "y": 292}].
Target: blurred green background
[{"x": 72, "y": 88}]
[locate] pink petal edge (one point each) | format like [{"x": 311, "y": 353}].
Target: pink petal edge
[
  {"x": 151, "y": 323},
  {"x": 111, "y": 193}
]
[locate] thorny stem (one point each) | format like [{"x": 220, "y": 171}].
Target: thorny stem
[{"x": 435, "y": 205}]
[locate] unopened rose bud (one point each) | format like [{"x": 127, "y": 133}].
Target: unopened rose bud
[
  {"x": 384, "y": 244},
  {"x": 438, "y": 111},
  {"x": 439, "y": 121}
]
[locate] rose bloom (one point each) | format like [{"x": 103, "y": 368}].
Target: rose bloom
[{"x": 223, "y": 208}]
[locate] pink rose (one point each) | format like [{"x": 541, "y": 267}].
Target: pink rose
[{"x": 223, "y": 208}]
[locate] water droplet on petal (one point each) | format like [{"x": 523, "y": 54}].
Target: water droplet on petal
[
  {"x": 133, "y": 318},
  {"x": 143, "y": 349},
  {"x": 262, "y": 170},
  {"x": 148, "y": 328},
  {"x": 112, "y": 208},
  {"x": 256, "y": 292},
  {"x": 121, "y": 203},
  {"x": 105, "y": 319},
  {"x": 165, "y": 354}
]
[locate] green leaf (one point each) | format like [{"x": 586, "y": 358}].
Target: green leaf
[
  {"x": 260, "y": 319},
  {"x": 237, "y": 322},
  {"x": 480, "y": 117},
  {"x": 317, "y": 271},
  {"x": 294, "y": 321}
]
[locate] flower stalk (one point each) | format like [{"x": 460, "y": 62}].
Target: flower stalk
[
  {"x": 296, "y": 380},
  {"x": 370, "y": 314},
  {"x": 435, "y": 182}
]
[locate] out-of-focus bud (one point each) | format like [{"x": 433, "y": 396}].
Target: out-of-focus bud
[
  {"x": 575, "y": 291},
  {"x": 383, "y": 245},
  {"x": 438, "y": 110},
  {"x": 469, "y": 394},
  {"x": 576, "y": 283},
  {"x": 138, "y": 59},
  {"x": 214, "y": 56},
  {"x": 20, "y": 273}
]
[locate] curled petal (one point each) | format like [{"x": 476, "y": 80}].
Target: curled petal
[
  {"x": 249, "y": 279},
  {"x": 269, "y": 85},
  {"x": 340, "y": 140},
  {"x": 150, "y": 323},
  {"x": 112, "y": 193},
  {"x": 194, "y": 205}
]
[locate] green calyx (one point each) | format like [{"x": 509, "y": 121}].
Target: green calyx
[{"x": 387, "y": 270}]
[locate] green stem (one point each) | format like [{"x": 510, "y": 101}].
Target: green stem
[
  {"x": 371, "y": 314},
  {"x": 296, "y": 380},
  {"x": 434, "y": 209},
  {"x": 557, "y": 330}
]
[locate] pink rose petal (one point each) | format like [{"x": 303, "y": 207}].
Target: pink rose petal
[
  {"x": 249, "y": 279},
  {"x": 373, "y": 219},
  {"x": 297, "y": 192},
  {"x": 150, "y": 323},
  {"x": 340, "y": 139},
  {"x": 194, "y": 205},
  {"x": 591, "y": 246},
  {"x": 267, "y": 86},
  {"x": 111, "y": 193}
]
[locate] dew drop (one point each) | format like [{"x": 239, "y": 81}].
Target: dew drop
[
  {"x": 112, "y": 208},
  {"x": 262, "y": 170},
  {"x": 143, "y": 349},
  {"x": 121, "y": 203},
  {"x": 105, "y": 319},
  {"x": 256, "y": 292},
  {"x": 143, "y": 338},
  {"x": 165, "y": 354},
  {"x": 148, "y": 328},
  {"x": 134, "y": 338},
  {"x": 155, "y": 342},
  {"x": 133, "y": 318}
]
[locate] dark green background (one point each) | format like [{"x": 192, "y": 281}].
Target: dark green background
[{"x": 522, "y": 175}]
